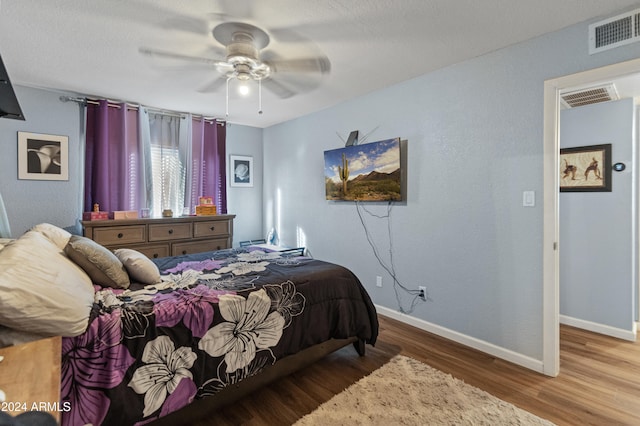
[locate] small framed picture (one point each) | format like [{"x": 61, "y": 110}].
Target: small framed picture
[
  {"x": 585, "y": 169},
  {"x": 241, "y": 171},
  {"x": 43, "y": 157}
]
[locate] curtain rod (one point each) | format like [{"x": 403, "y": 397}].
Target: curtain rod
[{"x": 115, "y": 104}]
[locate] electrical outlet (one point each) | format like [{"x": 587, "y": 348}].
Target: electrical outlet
[
  {"x": 422, "y": 292},
  {"x": 378, "y": 281}
]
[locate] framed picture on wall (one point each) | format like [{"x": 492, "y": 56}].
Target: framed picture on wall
[
  {"x": 241, "y": 171},
  {"x": 585, "y": 169},
  {"x": 43, "y": 157}
]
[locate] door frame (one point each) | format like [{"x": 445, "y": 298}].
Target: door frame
[{"x": 551, "y": 225}]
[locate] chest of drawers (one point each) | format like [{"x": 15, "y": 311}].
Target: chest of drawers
[{"x": 164, "y": 237}]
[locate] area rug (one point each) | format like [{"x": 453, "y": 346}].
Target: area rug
[{"x": 407, "y": 392}]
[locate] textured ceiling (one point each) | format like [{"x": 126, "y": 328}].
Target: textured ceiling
[{"x": 92, "y": 46}]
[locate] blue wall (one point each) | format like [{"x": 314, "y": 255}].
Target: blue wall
[
  {"x": 475, "y": 141},
  {"x": 246, "y": 203},
  {"x": 597, "y": 229},
  {"x": 30, "y": 202},
  {"x": 474, "y": 133}
]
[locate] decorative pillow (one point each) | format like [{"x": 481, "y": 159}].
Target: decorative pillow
[
  {"x": 56, "y": 235},
  {"x": 98, "y": 262},
  {"x": 41, "y": 290},
  {"x": 139, "y": 267}
]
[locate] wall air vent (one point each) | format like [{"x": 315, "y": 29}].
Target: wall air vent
[
  {"x": 590, "y": 95},
  {"x": 614, "y": 32}
]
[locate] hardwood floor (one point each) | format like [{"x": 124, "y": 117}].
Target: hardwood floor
[{"x": 599, "y": 382}]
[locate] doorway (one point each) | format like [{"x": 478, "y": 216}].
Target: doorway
[{"x": 551, "y": 282}]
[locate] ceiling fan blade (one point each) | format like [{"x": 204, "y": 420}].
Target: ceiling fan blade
[
  {"x": 198, "y": 26},
  {"x": 181, "y": 57},
  {"x": 319, "y": 64},
  {"x": 287, "y": 35},
  {"x": 214, "y": 85},
  {"x": 187, "y": 24},
  {"x": 277, "y": 88},
  {"x": 237, "y": 9}
]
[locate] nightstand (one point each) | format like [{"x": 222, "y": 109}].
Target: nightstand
[{"x": 30, "y": 377}]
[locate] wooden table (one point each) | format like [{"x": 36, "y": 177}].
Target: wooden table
[{"x": 30, "y": 377}]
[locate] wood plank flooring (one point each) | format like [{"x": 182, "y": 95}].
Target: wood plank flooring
[{"x": 599, "y": 382}]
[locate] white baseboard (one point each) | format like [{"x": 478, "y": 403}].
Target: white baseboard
[
  {"x": 472, "y": 342},
  {"x": 600, "y": 328}
]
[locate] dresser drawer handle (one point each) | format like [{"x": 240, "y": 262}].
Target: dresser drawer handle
[
  {"x": 213, "y": 228},
  {"x": 184, "y": 252},
  {"x": 155, "y": 255},
  {"x": 170, "y": 231},
  {"x": 120, "y": 235}
]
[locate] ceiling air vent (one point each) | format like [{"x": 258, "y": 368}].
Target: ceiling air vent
[
  {"x": 587, "y": 96},
  {"x": 614, "y": 32}
]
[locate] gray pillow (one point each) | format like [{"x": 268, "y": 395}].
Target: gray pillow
[
  {"x": 139, "y": 267},
  {"x": 98, "y": 262}
]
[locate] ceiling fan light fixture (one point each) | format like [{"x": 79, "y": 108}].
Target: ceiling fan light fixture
[
  {"x": 243, "y": 44},
  {"x": 242, "y": 72},
  {"x": 243, "y": 89},
  {"x": 239, "y": 52},
  {"x": 239, "y": 32}
]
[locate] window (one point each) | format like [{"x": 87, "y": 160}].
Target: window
[
  {"x": 168, "y": 169},
  {"x": 168, "y": 180},
  {"x": 135, "y": 160}
]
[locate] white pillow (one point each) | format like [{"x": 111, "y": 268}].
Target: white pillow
[
  {"x": 41, "y": 290},
  {"x": 139, "y": 267},
  {"x": 4, "y": 242},
  {"x": 56, "y": 235}
]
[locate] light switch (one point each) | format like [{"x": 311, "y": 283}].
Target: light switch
[{"x": 528, "y": 198}]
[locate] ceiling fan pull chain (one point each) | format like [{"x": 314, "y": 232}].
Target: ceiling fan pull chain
[
  {"x": 260, "y": 96},
  {"x": 227, "y": 108}
]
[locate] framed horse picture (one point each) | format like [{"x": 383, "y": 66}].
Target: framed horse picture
[{"x": 585, "y": 169}]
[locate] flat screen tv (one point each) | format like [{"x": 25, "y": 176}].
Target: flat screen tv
[
  {"x": 367, "y": 172},
  {"x": 9, "y": 107}
]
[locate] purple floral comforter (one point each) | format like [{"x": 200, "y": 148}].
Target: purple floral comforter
[{"x": 216, "y": 318}]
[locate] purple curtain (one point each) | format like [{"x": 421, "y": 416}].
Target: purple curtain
[
  {"x": 114, "y": 169},
  {"x": 112, "y": 158},
  {"x": 208, "y": 156}
]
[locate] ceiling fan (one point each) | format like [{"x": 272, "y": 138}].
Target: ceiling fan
[{"x": 246, "y": 60}]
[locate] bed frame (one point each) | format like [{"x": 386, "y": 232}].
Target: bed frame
[{"x": 200, "y": 408}]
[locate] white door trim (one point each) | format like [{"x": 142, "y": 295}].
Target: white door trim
[{"x": 551, "y": 243}]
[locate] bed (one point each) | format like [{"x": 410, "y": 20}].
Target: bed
[{"x": 181, "y": 335}]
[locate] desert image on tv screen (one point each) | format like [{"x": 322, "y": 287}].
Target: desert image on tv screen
[{"x": 367, "y": 172}]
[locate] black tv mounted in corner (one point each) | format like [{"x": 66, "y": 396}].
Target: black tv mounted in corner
[{"x": 9, "y": 107}]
